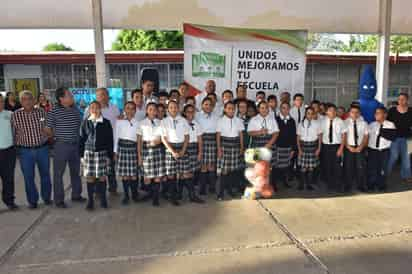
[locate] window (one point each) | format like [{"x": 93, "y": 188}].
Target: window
[
  {"x": 56, "y": 75},
  {"x": 84, "y": 76},
  {"x": 124, "y": 75},
  {"x": 176, "y": 75}
]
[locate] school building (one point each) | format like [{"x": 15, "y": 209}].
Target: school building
[{"x": 329, "y": 77}]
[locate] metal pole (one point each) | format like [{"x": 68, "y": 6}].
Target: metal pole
[
  {"x": 98, "y": 43},
  {"x": 382, "y": 60}
]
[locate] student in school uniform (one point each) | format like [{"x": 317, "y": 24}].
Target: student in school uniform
[
  {"x": 264, "y": 131},
  {"x": 125, "y": 149},
  {"x": 260, "y": 96},
  {"x": 163, "y": 98},
  {"x": 297, "y": 112},
  {"x": 227, "y": 96},
  {"x": 175, "y": 137},
  {"x": 217, "y": 108},
  {"x": 355, "y": 140},
  {"x": 137, "y": 97},
  {"x": 242, "y": 114},
  {"x": 161, "y": 114},
  {"x": 174, "y": 95},
  {"x": 190, "y": 100},
  {"x": 273, "y": 105},
  {"x": 285, "y": 143},
  {"x": 195, "y": 147},
  {"x": 229, "y": 139},
  {"x": 96, "y": 150},
  {"x": 315, "y": 104},
  {"x": 309, "y": 140},
  {"x": 333, "y": 129},
  {"x": 161, "y": 111},
  {"x": 208, "y": 121},
  {"x": 378, "y": 149},
  {"x": 150, "y": 152}
]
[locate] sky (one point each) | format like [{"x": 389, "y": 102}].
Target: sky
[{"x": 35, "y": 40}]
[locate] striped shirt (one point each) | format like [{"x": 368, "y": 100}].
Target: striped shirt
[
  {"x": 65, "y": 122},
  {"x": 28, "y": 127}
]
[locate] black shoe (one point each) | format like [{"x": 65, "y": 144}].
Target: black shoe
[
  {"x": 156, "y": 203},
  {"x": 125, "y": 201},
  {"x": 310, "y": 188},
  {"x": 196, "y": 200},
  {"x": 61, "y": 205},
  {"x": 79, "y": 199},
  {"x": 32, "y": 206},
  {"x": 48, "y": 202},
  {"x": 12, "y": 206},
  {"x": 90, "y": 206},
  {"x": 174, "y": 202}
]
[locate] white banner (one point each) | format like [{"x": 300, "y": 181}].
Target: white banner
[{"x": 262, "y": 60}]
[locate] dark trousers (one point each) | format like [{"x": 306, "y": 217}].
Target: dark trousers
[
  {"x": 377, "y": 161},
  {"x": 7, "y": 167},
  {"x": 331, "y": 165},
  {"x": 112, "y": 178},
  {"x": 29, "y": 157},
  {"x": 65, "y": 153},
  {"x": 355, "y": 168}
]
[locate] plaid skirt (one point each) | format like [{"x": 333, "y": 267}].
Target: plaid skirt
[
  {"x": 179, "y": 166},
  {"x": 153, "y": 161},
  {"x": 231, "y": 159},
  {"x": 192, "y": 151},
  {"x": 96, "y": 164},
  {"x": 261, "y": 141},
  {"x": 283, "y": 157},
  {"x": 126, "y": 158},
  {"x": 309, "y": 158},
  {"x": 209, "y": 149}
]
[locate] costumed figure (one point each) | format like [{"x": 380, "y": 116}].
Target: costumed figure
[{"x": 367, "y": 93}]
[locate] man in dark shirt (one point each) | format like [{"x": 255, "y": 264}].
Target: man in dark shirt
[
  {"x": 63, "y": 124},
  {"x": 401, "y": 116}
]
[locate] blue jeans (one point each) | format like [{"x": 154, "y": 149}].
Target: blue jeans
[
  {"x": 399, "y": 148},
  {"x": 28, "y": 159}
]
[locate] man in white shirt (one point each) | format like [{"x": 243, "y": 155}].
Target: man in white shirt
[
  {"x": 356, "y": 140},
  {"x": 333, "y": 129},
  {"x": 298, "y": 110},
  {"x": 209, "y": 88},
  {"x": 378, "y": 149}
]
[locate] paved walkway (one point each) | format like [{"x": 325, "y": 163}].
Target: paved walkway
[{"x": 294, "y": 233}]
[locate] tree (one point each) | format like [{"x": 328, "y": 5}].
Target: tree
[
  {"x": 148, "y": 40},
  {"x": 369, "y": 43},
  {"x": 324, "y": 42},
  {"x": 56, "y": 47}
]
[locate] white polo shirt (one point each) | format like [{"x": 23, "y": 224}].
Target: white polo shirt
[
  {"x": 208, "y": 121},
  {"x": 338, "y": 128},
  {"x": 230, "y": 127},
  {"x": 308, "y": 131},
  {"x": 174, "y": 129},
  {"x": 140, "y": 114},
  {"x": 374, "y": 129},
  {"x": 258, "y": 122},
  {"x": 195, "y": 130},
  {"x": 150, "y": 130},
  {"x": 125, "y": 130},
  {"x": 361, "y": 127},
  {"x": 294, "y": 112}
]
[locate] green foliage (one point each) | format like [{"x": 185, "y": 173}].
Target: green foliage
[
  {"x": 324, "y": 42},
  {"x": 148, "y": 40},
  {"x": 369, "y": 43},
  {"x": 56, "y": 47}
]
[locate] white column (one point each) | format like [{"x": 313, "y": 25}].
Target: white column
[
  {"x": 98, "y": 43},
  {"x": 383, "y": 54}
]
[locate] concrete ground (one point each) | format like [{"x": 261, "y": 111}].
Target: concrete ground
[{"x": 294, "y": 233}]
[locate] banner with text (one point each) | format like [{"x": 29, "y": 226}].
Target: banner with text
[{"x": 272, "y": 61}]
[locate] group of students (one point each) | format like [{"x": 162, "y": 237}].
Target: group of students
[{"x": 178, "y": 143}]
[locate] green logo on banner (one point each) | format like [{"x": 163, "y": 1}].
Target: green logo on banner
[{"x": 208, "y": 64}]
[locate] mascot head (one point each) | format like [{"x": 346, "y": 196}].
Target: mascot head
[{"x": 367, "y": 85}]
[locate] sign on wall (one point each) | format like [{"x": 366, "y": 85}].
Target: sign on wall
[{"x": 262, "y": 60}]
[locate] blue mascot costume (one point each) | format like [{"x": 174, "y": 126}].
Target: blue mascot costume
[{"x": 367, "y": 93}]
